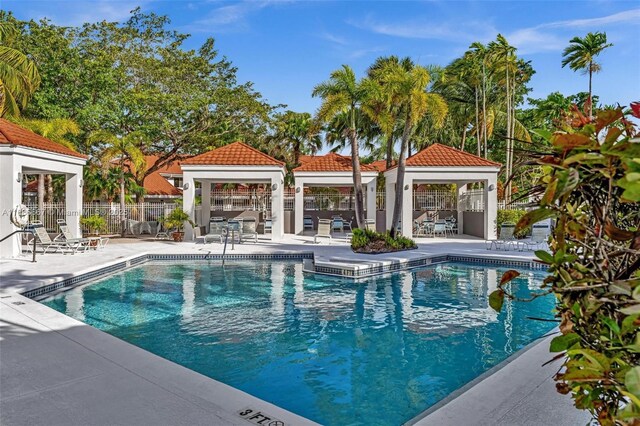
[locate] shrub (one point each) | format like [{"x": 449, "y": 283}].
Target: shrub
[
  {"x": 368, "y": 241},
  {"x": 591, "y": 186},
  {"x": 94, "y": 223},
  {"x": 512, "y": 216}
]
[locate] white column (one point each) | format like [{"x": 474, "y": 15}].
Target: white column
[
  {"x": 407, "y": 208},
  {"x": 299, "y": 207},
  {"x": 389, "y": 199},
  {"x": 205, "y": 213},
  {"x": 490, "y": 207},
  {"x": 189, "y": 203},
  {"x": 73, "y": 202},
  {"x": 10, "y": 196},
  {"x": 371, "y": 199},
  {"x": 277, "y": 207},
  {"x": 462, "y": 189}
]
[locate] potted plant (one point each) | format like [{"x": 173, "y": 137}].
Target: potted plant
[
  {"x": 95, "y": 224},
  {"x": 175, "y": 220}
]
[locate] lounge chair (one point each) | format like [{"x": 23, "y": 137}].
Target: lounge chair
[
  {"x": 249, "y": 229},
  {"x": 505, "y": 239},
  {"x": 539, "y": 237},
  {"x": 268, "y": 226},
  {"x": 43, "y": 240},
  {"x": 324, "y": 229},
  {"x": 337, "y": 223},
  {"x": 67, "y": 236},
  {"x": 217, "y": 229},
  {"x": 308, "y": 223}
]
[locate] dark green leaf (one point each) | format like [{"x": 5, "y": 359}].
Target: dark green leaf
[
  {"x": 496, "y": 299},
  {"x": 563, "y": 342}
]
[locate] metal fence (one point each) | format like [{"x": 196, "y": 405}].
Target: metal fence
[
  {"x": 135, "y": 214},
  {"x": 229, "y": 200},
  {"x": 434, "y": 200},
  {"x": 472, "y": 201}
]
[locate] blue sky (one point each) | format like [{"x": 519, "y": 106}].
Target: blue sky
[{"x": 286, "y": 47}]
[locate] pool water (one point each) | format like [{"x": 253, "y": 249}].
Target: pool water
[{"x": 335, "y": 351}]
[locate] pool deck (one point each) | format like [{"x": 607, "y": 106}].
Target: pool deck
[{"x": 56, "y": 370}]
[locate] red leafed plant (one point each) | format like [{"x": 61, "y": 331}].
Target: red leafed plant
[{"x": 590, "y": 186}]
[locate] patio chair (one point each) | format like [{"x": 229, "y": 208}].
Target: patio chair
[
  {"x": 539, "y": 236},
  {"x": 324, "y": 229},
  {"x": 337, "y": 224},
  {"x": 440, "y": 228},
  {"x": 46, "y": 243},
  {"x": 249, "y": 229},
  {"x": 267, "y": 226},
  {"x": 505, "y": 239},
  {"x": 234, "y": 229},
  {"x": 67, "y": 236},
  {"x": 217, "y": 228},
  {"x": 308, "y": 223},
  {"x": 370, "y": 224}
]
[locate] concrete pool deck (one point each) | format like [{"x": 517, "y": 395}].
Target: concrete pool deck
[{"x": 56, "y": 370}]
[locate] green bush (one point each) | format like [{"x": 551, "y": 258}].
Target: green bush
[
  {"x": 365, "y": 240},
  {"x": 94, "y": 223},
  {"x": 512, "y": 216}
]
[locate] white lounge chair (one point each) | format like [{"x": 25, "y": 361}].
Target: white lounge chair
[
  {"x": 249, "y": 229},
  {"x": 539, "y": 236},
  {"x": 46, "y": 243},
  {"x": 67, "y": 236},
  {"x": 217, "y": 228},
  {"x": 234, "y": 230},
  {"x": 505, "y": 239},
  {"x": 324, "y": 229}
]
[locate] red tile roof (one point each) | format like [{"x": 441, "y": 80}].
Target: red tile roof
[
  {"x": 305, "y": 158},
  {"x": 234, "y": 154},
  {"x": 331, "y": 162},
  {"x": 12, "y": 134},
  {"x": 438, "y": 155},
  {"x": 381, "y": 165},
  {"x": 154, "y": 184}
]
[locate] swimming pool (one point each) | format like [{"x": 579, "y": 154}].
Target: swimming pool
[{"x": 332, "y": 350}]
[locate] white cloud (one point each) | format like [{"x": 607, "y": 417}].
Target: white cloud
[
  {"x": 423, "y": 29},
  {"x": 232, "y": 17},
  {"x": 544, "y": 37},
  {"x": 333, "y": 38}
]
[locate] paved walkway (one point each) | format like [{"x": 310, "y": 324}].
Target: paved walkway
[{"x": 58, "y": 371}]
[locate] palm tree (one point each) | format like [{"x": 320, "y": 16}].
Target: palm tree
[
  {"x": 344, "y": 93},
  {"x": 406, "y": 87},
  {"x": 122, "y": 151},
  {"x": 296, "y": 134},
  {"x": 19, "y": 76},
  {"x": 581, "y": 54}
]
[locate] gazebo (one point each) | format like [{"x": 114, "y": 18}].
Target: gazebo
[
  {"x": 22, "y": 153},
  {"x": 332, "y": 170},
  {"x": 233, "y": 163},
  {"x": 441, "y": 164}
]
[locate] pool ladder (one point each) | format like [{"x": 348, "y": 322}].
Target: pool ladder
[{"x": 226, "y": 238}]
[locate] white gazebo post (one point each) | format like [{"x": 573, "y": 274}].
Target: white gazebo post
[
  {"x": 390, "y": 196},
  {"x": 189, "y": 202},
  {"x": 73, "y": 201},
  {"x": 299, "y": 206},
  {"x": 407, "y": 206},
  {"x": 205, "y": 212},
  {"x": 10, "y": 196},
  {"x": 490, "y": 207},
  {"x": 371, "y": 199},
  {"x": 461, "y": 189},
  {"x": 277, "y": 207}
]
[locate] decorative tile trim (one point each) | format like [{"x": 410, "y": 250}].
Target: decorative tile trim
[{"x": 120, "y": 266}]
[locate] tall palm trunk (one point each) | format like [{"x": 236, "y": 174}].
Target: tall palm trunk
[
  {"x": 478, "y": 142},
  {"x": 49, "y": 189},
  {"x": 484, "y": 107},
  {"x": 357, "y": 173},
  {"x": 389, "y": 150},
  {"x": 123, "y": 216},
  {"x": 402, "y": 164},
  {"x": 590, "y": 99},
  {"x": 464, "y": 139},
  {"x": 41, "y": 197},
  {"x": 507, "y": 192}
]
